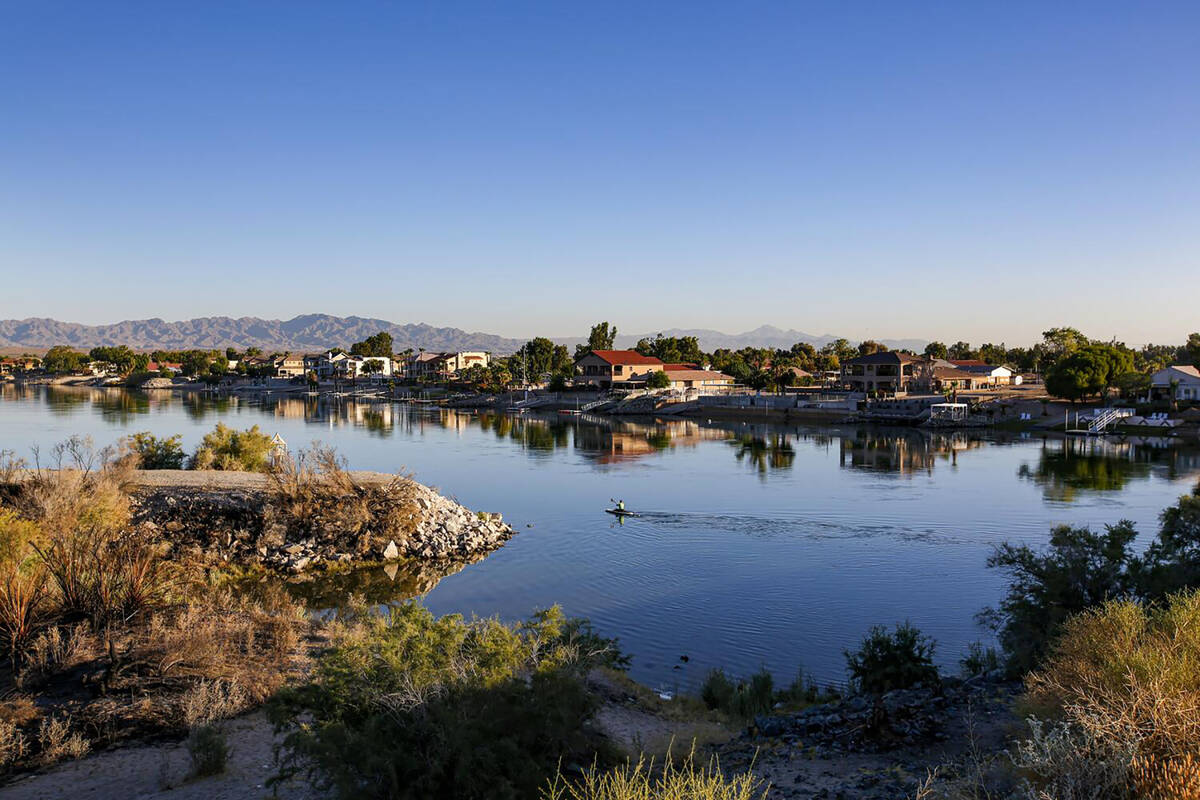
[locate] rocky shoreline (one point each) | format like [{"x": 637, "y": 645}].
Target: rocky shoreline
[{"x": 236, "y": 518}]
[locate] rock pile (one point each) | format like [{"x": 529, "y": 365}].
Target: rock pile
[
  {"x": 377, "y": 522},
  {"x": 900, "y": 718}
]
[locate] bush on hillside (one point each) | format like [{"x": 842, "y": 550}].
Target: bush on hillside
[
  {"x": 155, "y": 453},
  {"x": 1119, "y": 694},
  {"x": 236, "y": 451},
  {"x": 897, "y": 660},
  {"x": 414, "y": 706}
]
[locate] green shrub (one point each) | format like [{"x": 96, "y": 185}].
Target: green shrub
[
  {"x": 1172, "y": 561},
  {"x": 416, "y": 706},
  {"x": 886, "y": 661},
  {"x": 658, "y": 380},
  {"x": 740, "y": 699},
  {"x": 208, "y": 749},
  {"x": 231, "y": 450},
  {"x": 156, "y": 453},
  {"x": 1079, "y": 570},
  {"x": 979, "y": 660}
]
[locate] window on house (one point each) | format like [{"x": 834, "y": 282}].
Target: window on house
[{"x": 618, "y": 369}]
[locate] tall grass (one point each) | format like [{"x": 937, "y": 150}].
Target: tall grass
[{"x": 643, "y": 780}]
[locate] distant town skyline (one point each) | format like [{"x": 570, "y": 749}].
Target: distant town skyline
[{"x": 904, "y": 171}]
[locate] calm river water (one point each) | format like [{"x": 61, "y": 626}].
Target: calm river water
[{"x": 758, "y": 545}]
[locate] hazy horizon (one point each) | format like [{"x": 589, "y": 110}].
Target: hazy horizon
[{"x": 903, "y": 171}]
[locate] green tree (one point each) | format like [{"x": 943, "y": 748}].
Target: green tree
[
  {"x": 121, "y": 359},
  {"x": 539, "y": 356},
  {"x": 1172, "y": 561},
  {"x": 1058, "y": 343},
  {"x": 994, "y": 354},
  {"x": 602, "y": 337},
  {"x": 378, "y": 345},
  {"x": 1088, "y": 371},
  {"x": 961, "y": 351},
  {"x": 936, "y": 350},
  {"x": 683, "y": 349},
  {"x": 60, "y": 359},
  {"x": 658, "y": 380},
  {"x": 1193, "y": 348},
  {"x": 870, "y": 346},
  {"x": 372, "y": 366}
]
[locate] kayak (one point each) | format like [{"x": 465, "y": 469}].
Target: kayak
[{"x": 620, "y": 512}]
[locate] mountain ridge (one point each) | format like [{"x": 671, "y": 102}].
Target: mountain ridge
[{"x": 310, "y": 332}]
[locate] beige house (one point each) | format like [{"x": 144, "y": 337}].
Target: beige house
[
  {"x": 699, "y": 379},
  {"x": 889, "y": 372},
  {"x": 289, "y": 366},
  {"x": 434, "y": 366},
  {"x": 608, "y": 368}
]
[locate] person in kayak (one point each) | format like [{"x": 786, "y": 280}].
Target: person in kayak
[{"x": 620, "y": 505}]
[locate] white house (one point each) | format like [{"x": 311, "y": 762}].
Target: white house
[
  {"x": 1184, "y": 377},
  {"x": 345, "y": 366}
]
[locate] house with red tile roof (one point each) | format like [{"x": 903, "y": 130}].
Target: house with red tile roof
[{"x": 605, "y": 369}]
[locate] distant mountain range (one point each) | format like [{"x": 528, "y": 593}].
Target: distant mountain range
[
  {"x": 764, "y": 336},
  {"x": 312, "y": 332},
  {"x": 309, "y": 332}
]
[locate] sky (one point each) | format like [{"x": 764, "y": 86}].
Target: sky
[{"x": 978, "y": 171}]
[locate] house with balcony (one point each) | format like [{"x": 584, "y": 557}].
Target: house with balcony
[
  {"x": 888, "y": 372},
  {"x": 445, "y": 366},
  {"x": 608, "y": 369},
  {"x": 343, "y": 366},
  {"x": 288, "y": 365}
]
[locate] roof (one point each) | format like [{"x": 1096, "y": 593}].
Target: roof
[
  {"x": 951, "y": 374},
  {"x": 677, "y": 367},
  {"x": 698, "y": 375},
  {"x": 969, "y": 362},
  {"x": 886, "y": 357},
  {"x": 625, "y": 357}
]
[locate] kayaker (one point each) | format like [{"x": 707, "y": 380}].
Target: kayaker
[{"x": 620, "y": 505}]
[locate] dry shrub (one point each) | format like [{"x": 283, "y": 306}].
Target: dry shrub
[
  {"x": 644, "y": 781},
  {"x": 52, "y": 649},
  {"x": 1167, "y": 778},
  {"x": 314, "y": 496},
  {"x": 208, "y": 749},
  {"x": 78, "y": 488},
  {"x": 220, "y": 637},
  {"x": 57, "y": 741},
  {"x": 12, "y": 745},
  {"x": 211, "y": 701},
  {"x": 1121, "y": 687}
]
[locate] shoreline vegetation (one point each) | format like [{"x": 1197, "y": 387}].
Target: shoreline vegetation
[{"x": 132, "y": 613}]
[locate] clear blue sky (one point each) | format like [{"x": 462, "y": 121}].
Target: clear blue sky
[{"x": 891, "y": 169}]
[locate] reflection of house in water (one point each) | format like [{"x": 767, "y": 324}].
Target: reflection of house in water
[
  {"x": 905, "y": 453},
  {"x": 1066, "y": 467},
  {"x": 611, "y": 441}
]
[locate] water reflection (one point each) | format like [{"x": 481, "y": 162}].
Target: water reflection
[
  {"x": 1066, "y": 467},
  {"x": 763, "y": 453},
  {"x": 377, "y": 585},
  {"x": 904, "y": 451}
]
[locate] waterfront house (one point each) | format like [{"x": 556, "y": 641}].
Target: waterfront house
[
  {"x": 19, "y": 364},
  {"x": 288, "y": 365},
  {"x": 944, "y": 378},
  {"x": 606, "y": 369},
  {"x": 343, "y": 366},
  {"x": 703, "y": 381},
  {"x": 444, "y": 366},
  {"x": 996, "y": 376},
  {"x": 1182, "y": 379},
  {"x": 172, "y": 367},
  {"x": 889, "y": 372}
]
